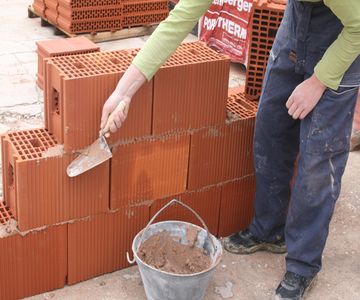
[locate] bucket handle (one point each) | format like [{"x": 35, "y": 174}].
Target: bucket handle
[{"x": 173, "y": 201}]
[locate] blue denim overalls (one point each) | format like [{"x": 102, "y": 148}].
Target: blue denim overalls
[{"x": 322, "y": 139}]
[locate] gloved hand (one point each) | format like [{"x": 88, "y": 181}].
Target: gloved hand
[{"x": 116, "y": 107}]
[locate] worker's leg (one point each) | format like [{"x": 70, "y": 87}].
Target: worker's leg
[
  {"x": 325, "y": 138},
  {"x": 276, "y": 144},
  {"x": 276, "y": 140}
]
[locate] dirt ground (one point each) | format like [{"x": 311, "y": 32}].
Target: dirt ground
[{"x": 237, "y": 277}]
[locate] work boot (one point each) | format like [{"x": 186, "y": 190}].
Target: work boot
[
  {"x": 293, "y": 287},
  {"x": 244, "y": 242}
]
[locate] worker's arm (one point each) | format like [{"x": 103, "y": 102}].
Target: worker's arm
[
  {"x": 337, "y": 59},
  {"x": 161, "y": 44},
  {"x": 169, "y": 34},
  {"x": 342, "y": 53}
]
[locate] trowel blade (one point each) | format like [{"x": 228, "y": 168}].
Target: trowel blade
[{"x": 94, "y": 155}]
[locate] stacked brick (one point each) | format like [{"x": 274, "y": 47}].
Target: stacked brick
[
  {"x": 51, "y": 11},
  {"x": 39, "y": 7},
  {"x": 143, "y": 12},
  {"x": 74, "y": 16},
  {"x": 265, "y": 20},
  {"x": 184, "y": 138},
  {"x": 61, "y": 47}
]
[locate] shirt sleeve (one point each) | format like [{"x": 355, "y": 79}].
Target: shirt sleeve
[
  {"x": 346, "y": 48},
  {"x": 168, "y": 35}
]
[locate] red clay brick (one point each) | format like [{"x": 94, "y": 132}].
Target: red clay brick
[
  {"x": 87, "y": 3},
  {"x": 91, "y": 13},
  {"x": 60, "y": 47},
  {"x": 5, "y": 213},
  {"x": 51, "y": 15},
  {"x": 53, "y": 4},
  {"x": 205, "y": 202},
  {"x": 136, "y": 6},
  {"x": 34, "y": 263},
  {"x": 36, "y": 187},
  {"x": 97, "y": 25},
  {"x": 236, "y": 209},
  {"x": 236, "y": 90},
  {"x": 145, "y": 18},
  {"x": 265, "y": 20},
  {"x": 149, "y": 170},
  {"x": 224, "y": 152},
  {"x": 39, "y": 7},
  {"x": 82, "y": 83},
  {"x": 190, "y": 89},
  {"x": 98, "y": 245}
]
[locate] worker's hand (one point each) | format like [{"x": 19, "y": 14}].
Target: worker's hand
[
  {"x": 119, "y": 116},
  {"x": 305, "y": 97},
  {"x": 119, "y": 101}
]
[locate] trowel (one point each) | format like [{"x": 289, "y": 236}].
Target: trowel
[{"x": 97, "y": 153}]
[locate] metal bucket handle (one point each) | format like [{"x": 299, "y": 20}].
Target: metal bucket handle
[{"x": 173, "y": 201}]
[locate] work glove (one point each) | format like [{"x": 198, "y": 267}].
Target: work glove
[{"x": 117, "y": 106}]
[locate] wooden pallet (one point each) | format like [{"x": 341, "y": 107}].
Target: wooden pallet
[{"x": 97, "y": 37}]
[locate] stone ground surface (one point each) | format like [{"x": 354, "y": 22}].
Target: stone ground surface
[{"x": 237, "y": 277}]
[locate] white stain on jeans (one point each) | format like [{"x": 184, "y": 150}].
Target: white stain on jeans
[{"x": 332, "y": 180}]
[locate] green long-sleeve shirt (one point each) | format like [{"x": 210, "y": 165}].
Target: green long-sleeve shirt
[{"x": 329, "y": 70}]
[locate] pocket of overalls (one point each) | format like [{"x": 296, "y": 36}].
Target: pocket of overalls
[
  {"x": 331, "y": 121},
  {"x": 273, "y": 56}
]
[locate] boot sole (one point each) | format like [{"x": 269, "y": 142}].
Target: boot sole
[
  {"x": 260, "y": 247},
  {"x": 303, "y": 297}
]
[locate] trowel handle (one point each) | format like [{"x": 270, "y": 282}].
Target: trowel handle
[{"x": 121, "y": 106}]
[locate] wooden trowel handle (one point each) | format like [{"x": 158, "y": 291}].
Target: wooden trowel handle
[{"x": 121, "y": 106}]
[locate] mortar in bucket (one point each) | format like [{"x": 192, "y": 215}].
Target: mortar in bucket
[{"x": 161, "y": 285}]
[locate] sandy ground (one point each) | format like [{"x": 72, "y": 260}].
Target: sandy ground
[{"x": 237, "y": 277}]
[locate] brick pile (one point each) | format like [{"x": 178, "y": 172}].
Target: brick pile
[
  {"x": 75, "y": 16},
  {"x": 184, "y": 138}
]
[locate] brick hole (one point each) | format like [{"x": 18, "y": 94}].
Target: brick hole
[
  {"x": 78, "y": 65},
  {"x": 36, "y": 143},
  {"x": 115, "y": 61},
  {"x": 272, "y": 33},
  {"x": 55, "y": 101},
  {"x": 11, "y": 175}
]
